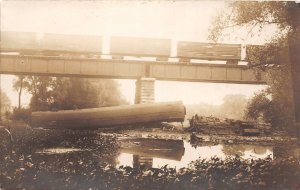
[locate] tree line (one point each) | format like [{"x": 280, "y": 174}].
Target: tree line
[
  {"x": 63, "y": 93},
  {"x": 274, "y": 104},
  {"x": 233, "y": 107}
]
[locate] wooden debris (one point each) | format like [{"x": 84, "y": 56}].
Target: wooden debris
[{"x": 213, "y": 125}]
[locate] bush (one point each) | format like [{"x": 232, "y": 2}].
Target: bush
[{"x": 21, "y": 114}]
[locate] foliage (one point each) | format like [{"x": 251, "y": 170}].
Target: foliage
[
  {"x": 27, "y": 140},
  {"x": 81, "y": 171},
  {"x": 269, "y": 56},
  {"x": 254, "y": 16},
  {"x": 56, "y": 93},
  {"x": 18, "y": 86},
  {"x": 5, "y": 103},
  {"x": 274, "y": 104},
  {"x": 259, "y": 108},
  {"x": 23, "y": 114},
  {"x": 21, "y": 167},
  {"x": 72, "y": 93},
  {"x": 233, "y": 107}
]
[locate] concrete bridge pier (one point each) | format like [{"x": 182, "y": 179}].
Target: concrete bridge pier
[{"x": 145, "y": 90}]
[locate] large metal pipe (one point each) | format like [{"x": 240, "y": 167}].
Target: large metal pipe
[{"x": 110, "y": 116}]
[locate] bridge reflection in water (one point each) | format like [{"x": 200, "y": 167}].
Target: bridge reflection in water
[
  {"x": 156, "y": 153},
  {"x": 142, "y": 151}
]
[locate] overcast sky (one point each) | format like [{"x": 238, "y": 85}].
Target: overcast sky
[
  {"x": 182, "y": 20},
  {"x": 162, "y": 19}
]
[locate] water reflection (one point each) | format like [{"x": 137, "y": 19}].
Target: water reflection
[
  {"x": 142, "y": 151},
  {"x": 59, "y": 150},
  {"x": 248, "y": 151},
  {"x": 148, "y": 147},
  {"x": 157, "y": 153},
  {"x": 179, "y": 153}
]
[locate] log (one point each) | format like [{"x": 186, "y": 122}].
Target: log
[{"x": 110, "y": 116}]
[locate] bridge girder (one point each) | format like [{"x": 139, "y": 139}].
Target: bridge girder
[{"x": 129, "y": 69}]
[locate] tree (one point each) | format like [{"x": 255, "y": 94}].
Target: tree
[
  {"x": 18, "y": 86},
  {"x": 40, "y": 88},
  {"x": 255, "y": 16},
  {"x": 275, "y": 103},
  {"x": 59, "y": 93},
  {"x": 260, "y": 107},
  {"x": 109, "y": 93},
  {"x": 233, "y": 106},
  {"x": 5, "y": 103}
]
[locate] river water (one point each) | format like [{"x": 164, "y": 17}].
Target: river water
[
  {"x": 179, "y": 153},
  {"x": 174, "y": 153}
]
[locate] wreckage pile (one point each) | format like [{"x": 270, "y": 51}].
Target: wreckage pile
[{"x": 213, "y": 125}]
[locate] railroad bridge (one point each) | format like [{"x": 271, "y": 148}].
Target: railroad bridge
[{"x": 143, "y": 59}]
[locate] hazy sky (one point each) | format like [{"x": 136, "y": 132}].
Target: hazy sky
[
  {"x": 182, "y": 20},
  {"x": 163, "y": 19}
]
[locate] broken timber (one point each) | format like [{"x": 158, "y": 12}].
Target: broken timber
[{"x": 110, "y": 116}]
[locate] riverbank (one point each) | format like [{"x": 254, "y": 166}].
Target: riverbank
[{"x": 86, "y": 160}]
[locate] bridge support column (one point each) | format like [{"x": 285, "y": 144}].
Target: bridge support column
[{"x": 145, "y": 90}]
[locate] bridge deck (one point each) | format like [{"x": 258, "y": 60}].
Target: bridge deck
[{"x": 128, "y": 69}]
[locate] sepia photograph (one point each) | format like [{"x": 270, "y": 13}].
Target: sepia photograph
[{"x": 149, "y": 95}]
